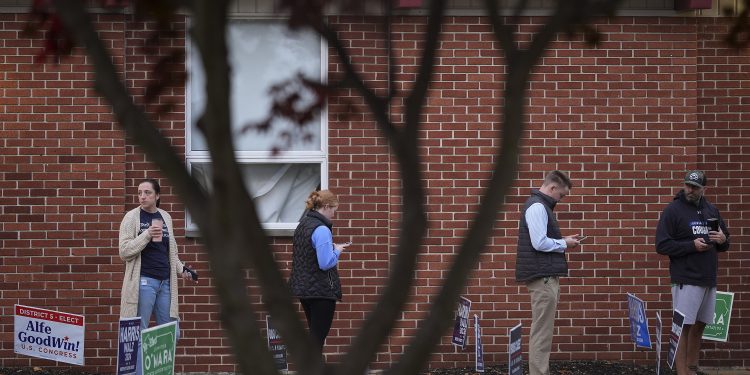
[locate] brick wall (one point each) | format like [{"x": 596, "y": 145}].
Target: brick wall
[
  {"x": 626, "y": 119},
  {"x": 62, "y": 167},
  {"x": 723, "y": 148}
]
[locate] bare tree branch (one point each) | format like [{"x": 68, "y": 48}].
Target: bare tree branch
[
  {"x": 241, "y": 226},
  {"x": 517, "y": 9},
  {"x": 424, "y": 76},
  {"x": 414, "y": 221},
  {"x": 504, "y": 33},
  {"x": 567, "y": 17},
  {"x": 228, "y": 186},
  {"x": 387, "y": 24},
  {"x": 378, "y": 105},
  {"x": 233, "y": 235},
  {"x": 519, "y": 70},
  {"x": 223, "y": 218},
  {"x": 739, "y": 34},
  {"x": 131, "y": 117}
]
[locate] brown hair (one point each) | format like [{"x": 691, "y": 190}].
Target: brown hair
[
  {"x": 321, "y": 198},
  {"x": 155, "y": 185},
  {"x": 559, "y": 178}
]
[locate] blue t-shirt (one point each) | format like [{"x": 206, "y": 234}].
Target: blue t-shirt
[{"x": 155, "y": 256}]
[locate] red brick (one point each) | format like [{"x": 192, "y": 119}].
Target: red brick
[{"x": 625, "y": 118}]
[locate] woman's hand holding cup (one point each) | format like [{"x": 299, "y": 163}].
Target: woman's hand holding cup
[{"x": 156, "y": 229}]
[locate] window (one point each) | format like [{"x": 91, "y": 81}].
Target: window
[{"x": 264, "y": 53}]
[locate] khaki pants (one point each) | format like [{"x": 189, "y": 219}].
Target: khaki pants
[{"x": 545, "y": 293}]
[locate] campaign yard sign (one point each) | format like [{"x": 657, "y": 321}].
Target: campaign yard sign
[
  {"x": 515, "y": 359},
  {"x": 719, "y": 330},
  {"x": 678, "y": 319},
  {"x": 157, "y": 349},
  {"x": 129, "y": 340},
  {"x": 461, "y": 326},
  {"x": 49, "y": 334},
  {"x": 658, "y": 343},
  {"x": 638, "y": 322},
  {"x": 276, "y": 346},
  {"x": 478, "y": 349}
]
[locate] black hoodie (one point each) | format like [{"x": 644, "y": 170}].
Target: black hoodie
[{"x": 681, "y": 223}]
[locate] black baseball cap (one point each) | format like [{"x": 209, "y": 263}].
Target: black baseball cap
[{"x": 696, "y": 178}]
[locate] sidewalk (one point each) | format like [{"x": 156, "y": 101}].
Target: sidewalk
[{"x": 724, "y": 371}]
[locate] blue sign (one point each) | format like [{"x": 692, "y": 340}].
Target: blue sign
[
  {"x": 678, "y": 319},
  {"x": 638, "y": 322},
  {"x": 478, "y": 350},
  {"x": 276, "y": 346},
  {"x": 461, "y": 326},
  {"x": 129, "y": 341},
  {"x": 658, "y": 343},
  {"x": 515, "y": 359}
]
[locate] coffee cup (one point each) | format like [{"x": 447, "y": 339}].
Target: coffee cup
[
  {"x": 713, "y": 224},
  {"x": 160, "y": 223}
]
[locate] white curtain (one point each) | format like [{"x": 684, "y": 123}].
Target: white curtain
[{"x": 278, "y": 190}]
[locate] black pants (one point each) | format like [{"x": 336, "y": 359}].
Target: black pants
[{"x": 319, "y": 314}]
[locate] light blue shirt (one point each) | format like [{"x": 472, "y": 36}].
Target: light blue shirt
[
  {"x": 322, "y": 241},
  {"x": 536, "y": 220}
]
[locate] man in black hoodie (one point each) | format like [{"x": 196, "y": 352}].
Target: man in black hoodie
[{"x": 686, "y": 235}]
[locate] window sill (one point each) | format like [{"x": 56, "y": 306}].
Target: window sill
[{"x": 286, "y": 232}]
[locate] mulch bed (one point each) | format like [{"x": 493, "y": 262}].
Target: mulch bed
[
  {"x": 41, "y": 371},
  {"x": 569, "y": 368},
  {"x": 556, "y": 367}
]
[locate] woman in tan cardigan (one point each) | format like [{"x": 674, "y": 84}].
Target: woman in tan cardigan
[{"x": 149, "y": 250}]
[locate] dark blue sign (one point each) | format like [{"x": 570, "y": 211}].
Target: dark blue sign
[
  {"x": 678, "y": 319},
  {"x": 638, "y": 322},
  {"x": 461, "y": 326},
  {"x": 658, "y": 343},
  {"x": 276, "y": 346},
  {"x": 129, "y": 340},
  {"x": 515, "y": 359},
  {"x": 478, "y": 351}
]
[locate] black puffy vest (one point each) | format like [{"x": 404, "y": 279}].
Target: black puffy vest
[
  {"x": 532, "y": 264},
  {"x": 307, "y": 280}
]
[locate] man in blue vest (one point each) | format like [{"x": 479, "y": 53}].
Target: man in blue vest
[{"x": 540, "y": 262}]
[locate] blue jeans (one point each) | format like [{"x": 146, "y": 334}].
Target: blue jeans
[{"x": 154, "y": 297}]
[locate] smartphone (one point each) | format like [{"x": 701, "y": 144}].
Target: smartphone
[{"x": 192, "y": 273}]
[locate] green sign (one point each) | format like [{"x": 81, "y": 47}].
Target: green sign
[
  {"x": 157, "y": 349},
  {"x": 720, "y": 329}
]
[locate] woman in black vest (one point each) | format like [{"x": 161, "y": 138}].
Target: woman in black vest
[{"x": 314, "y": 278}]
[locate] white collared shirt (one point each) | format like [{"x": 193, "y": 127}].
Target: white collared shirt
[{"x": 536, "y": 220}]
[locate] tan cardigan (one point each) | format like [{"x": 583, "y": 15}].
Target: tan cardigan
[{"x": 131, "y": 245}]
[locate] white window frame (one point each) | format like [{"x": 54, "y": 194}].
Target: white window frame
[{"x": 260, "y": 157}]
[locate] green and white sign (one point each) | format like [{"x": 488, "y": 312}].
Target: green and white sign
[
  {"x": 157, "y": 349},
  {"x": 720, "y": 329}
]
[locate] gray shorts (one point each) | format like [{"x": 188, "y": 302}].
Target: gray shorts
[{"x": 696, "y": 302}]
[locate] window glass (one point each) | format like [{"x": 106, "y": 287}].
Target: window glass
[{"x": 264, "y": 53}]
